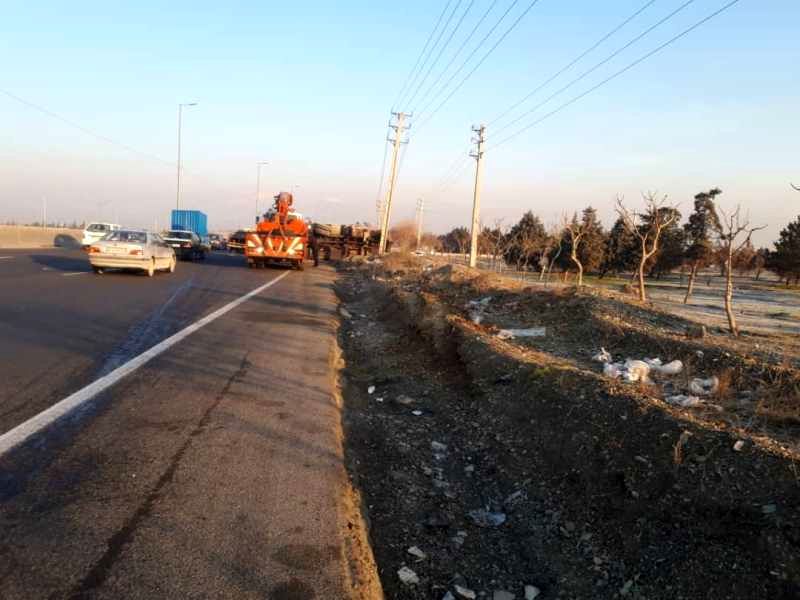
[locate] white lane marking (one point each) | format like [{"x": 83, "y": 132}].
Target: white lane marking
[
  {"x": 32, "y": 426},
  {"x": 73, "y": 274},
  {"x": 5, "y": 257},
  {"x": 46, "y": 269}
]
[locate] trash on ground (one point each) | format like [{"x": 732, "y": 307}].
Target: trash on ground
[
  {"x": 671, "y": 368},
  {"x": 684, "y": 401},
  {"x": 345, "y": 313},
  {"x": 408, "y": 576},
  {"x": 416, "y": 413},
  {"x": 604, "y": 356},
  {"x": 371, "y": 389},
  {"x": 738, "y": 445},
  {"x": 531, "y": 592},
  {"x": 438, "y": 447},
  {"x": 476, "y": 308},
  {"x": 507, "y": 334},
  {"x": 636, "y": 370},
  {"x": 415, "y": 551},
  {"x": 404, "y": 400},
  {"x": 484, "y": 518},
  {"x": 465, "y": 592},
  {"x": 704, "y": 387}
]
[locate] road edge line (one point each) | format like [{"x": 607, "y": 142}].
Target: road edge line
[{"x": 27, "y": 429}]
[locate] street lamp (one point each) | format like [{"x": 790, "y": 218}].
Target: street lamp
[
  {"x": 180, "y": 113},
  {"x": 258, "y": 184}
]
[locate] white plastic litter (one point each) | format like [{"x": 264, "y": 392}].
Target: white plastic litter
[
  {"x": 738, "y": 445},
  {"x": 476, "y": 308},
  {"x": 613, "y": 370},
  {"x": 704, "y": 387},
  {"x": 685, "y": 401},
  {"x": 484, "y": 518},
  {"x": 636, "y": 370},
  {"x": 465, "y": 592},
  {"x": 371, "y": 389},
  {"x": 531, "y": 592},
  {"x": 507, "y": 334},
  {"x": 604, "y": 356},
  {"x": 415, "y": 551},
  {"x": 408, "y": 576},
  {"x": 671, "y": 368}
]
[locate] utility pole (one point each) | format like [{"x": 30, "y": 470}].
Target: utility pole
[
  {"x": 399, "y": 128},
  {"x": 420, "y": 208},
  {"x": 476, "y": 198},
  {"x": 44, "y": 212}
]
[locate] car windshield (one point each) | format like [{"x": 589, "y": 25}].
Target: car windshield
[
  {"x": 180, "y": 235},
  {"x": 139, "y": 237},
  {"x": 97, "y": 227}
]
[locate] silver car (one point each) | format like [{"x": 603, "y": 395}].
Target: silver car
[{"x": 132, "y": 249}]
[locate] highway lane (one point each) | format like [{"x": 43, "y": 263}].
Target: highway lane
[
  {"x": 214, "y": 471},
  {"x": 62, "y": 326}
]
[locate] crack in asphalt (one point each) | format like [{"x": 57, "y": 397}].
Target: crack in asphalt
[{"x": 101, "y": 569}]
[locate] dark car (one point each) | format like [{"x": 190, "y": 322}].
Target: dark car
[
  {"x": 236, "y": 242},
  {"x": 217, "y": 241},
  {"x": 187, "y": 244}
]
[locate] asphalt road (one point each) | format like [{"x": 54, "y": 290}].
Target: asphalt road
[{"x": 214, "y": 471}]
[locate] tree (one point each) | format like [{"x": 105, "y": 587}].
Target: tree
[
  {"x": 554, "y": 244},
  {"x": 526, "y": 241},
  {"x": 785, "y": 260},
  {"x": 702, "y": 223},
  {"x": 730, "y": 228},
  {"x": 456, "y": 241},
  {"x": 621, "y": 250},
  {"x": 593, "y": 245},
  {"x": 647, "y": 228},
  {"x": 760, "y": 261},
  {"x": 403, "y": 235},
  {"x": 672, "y": 246},
  {"x": 575, "y": 231}
]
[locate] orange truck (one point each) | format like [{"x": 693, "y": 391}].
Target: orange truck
[{"x": 281, "y": 236}]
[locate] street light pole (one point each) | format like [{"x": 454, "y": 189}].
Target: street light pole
[
  {"x": 258, "y": 184},
  {"x": 178, "y": 190}
]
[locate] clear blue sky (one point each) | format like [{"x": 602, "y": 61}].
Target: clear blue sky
[{"x": 308, "y": 87}]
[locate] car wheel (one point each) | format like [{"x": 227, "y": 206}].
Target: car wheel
[{"x": 151, "y": 268}]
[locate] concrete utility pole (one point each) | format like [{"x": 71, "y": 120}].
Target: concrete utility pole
[
  {"x": 399, "y": 128},
  {"x": 180, "y": 114},
  {"x": 420, "y": 208},
  {"x": 476, "y": 198}
]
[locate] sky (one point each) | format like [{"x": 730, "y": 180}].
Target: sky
[{"x": 89, "y": 94}]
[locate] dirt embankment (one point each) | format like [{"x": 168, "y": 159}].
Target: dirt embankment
[{"x": 514, "y": 466}]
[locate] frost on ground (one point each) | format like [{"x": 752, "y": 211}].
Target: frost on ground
[{"x": 515, "y": 468}]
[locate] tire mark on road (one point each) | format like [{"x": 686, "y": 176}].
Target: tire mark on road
[
  {"x": 100, "y": 571},
  {"x": 144, "y": 334}
]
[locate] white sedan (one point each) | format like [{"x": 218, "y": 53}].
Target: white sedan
[{"x": 132, "y": 249}]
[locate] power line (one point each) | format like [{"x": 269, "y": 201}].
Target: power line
[
  {"x": 458, "y": 52},
  {"x": 83, "y": 129},
  {"x": 469, "y": 56},
  {"x": 618, "y": 73},
  {"x": 575, "y": 60},
  {"x": 596, "y": 66},
  {"x": 419, "y": 58},
  {"x": 444, "y": 46},
  {"x": 481, "y": 61}
]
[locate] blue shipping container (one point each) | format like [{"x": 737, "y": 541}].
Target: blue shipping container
[{"x": 190, "y": 220}]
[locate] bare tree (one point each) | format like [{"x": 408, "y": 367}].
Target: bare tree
[
  {"x": 551, "y": 252},
  {"x": 647, "y": 228},
  {"x": 576, "y": 230},
  {"x": 729, "y": 228}
]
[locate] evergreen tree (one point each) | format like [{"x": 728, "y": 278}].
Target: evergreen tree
[
  {"x": 592, "y": 248},
  {"x": 621, "y": 250},
  {"x": 525, "y": 241},
  {"x": 785, "y": 260},
  {"x": 702, "y": 222}
]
